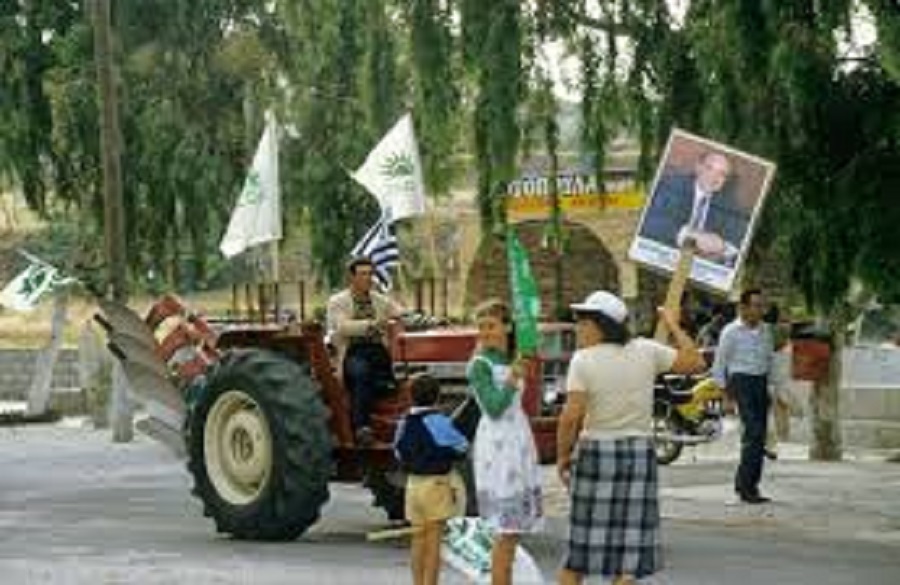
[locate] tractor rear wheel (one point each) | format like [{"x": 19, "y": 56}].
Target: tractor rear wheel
[{"x": 258, "y": 447}]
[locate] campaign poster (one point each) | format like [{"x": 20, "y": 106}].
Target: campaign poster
[{"x": 708, "y": 192}]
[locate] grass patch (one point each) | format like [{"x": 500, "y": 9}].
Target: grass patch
[{"x": 32, "y": 330}]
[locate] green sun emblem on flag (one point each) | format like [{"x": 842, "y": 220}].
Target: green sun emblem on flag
[
  {"x": 398, "y": 165},
  {"x": 252, "y": 192},
  {"x": 33, "y": 281}
]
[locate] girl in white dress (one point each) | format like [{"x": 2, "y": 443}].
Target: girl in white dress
[{"x": 507, "y": 476}]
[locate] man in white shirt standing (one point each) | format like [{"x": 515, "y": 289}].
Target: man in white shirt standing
[{"x": 743, "y": 366}]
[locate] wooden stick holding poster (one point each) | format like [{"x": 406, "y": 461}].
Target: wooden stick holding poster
[{"x": 676, "y": 287}]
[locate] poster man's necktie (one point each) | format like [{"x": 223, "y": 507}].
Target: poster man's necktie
[{"x": 701, "y": 208}]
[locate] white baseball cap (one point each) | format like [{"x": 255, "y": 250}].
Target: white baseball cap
[{"x": 601, "y": 301}]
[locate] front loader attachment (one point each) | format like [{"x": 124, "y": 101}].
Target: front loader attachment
[{"x": 131, "y": 340}]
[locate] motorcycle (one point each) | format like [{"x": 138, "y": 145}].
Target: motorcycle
[{"x": 687, "y": 410}]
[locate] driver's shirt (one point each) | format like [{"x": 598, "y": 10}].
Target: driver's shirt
[
  {"x": 342, "y": 327},
  {"x": 363, "y": 309}
]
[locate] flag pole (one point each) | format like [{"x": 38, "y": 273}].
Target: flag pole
[
  {"x": 402, "y": 276},
  {"x": 432, "y": 228},
  {"x": 276, "y": 267},
  {"x": 31, "y": 257}
]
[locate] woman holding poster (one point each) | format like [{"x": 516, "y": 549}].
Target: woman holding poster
[{"x": 605, "y": 453}]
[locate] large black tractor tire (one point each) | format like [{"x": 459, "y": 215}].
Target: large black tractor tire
[{"x": 258, "y": 446}]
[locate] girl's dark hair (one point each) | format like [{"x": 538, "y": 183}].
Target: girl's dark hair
[
  {"x": 500, "y": 310},
  {"x": 613, "y": 331}
]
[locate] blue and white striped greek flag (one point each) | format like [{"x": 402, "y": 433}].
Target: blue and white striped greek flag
[{"x": 379, "y": 244}]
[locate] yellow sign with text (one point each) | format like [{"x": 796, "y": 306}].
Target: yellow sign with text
[
  {"x": 577, "y": 193},
  {"x": 535, "y": 204}
]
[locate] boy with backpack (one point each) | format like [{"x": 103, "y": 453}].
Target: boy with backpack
[{"x": 427, "y": 444}]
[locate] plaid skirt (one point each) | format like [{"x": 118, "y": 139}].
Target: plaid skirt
[{"x": 614, "y": 517}]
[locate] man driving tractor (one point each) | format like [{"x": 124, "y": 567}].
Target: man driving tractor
[{"x": 357, "y": 327}]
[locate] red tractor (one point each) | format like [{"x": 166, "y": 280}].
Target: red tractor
[{"x": 263, "y": 419}]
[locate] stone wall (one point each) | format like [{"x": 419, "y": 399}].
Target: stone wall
[
  {"x": 596, "y": 254},
  {"x": 586, "y": 265},
  {"x": 17, "y": 368}
]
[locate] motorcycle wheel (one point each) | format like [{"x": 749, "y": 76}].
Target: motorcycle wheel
[{"x": 667, "y": 449}]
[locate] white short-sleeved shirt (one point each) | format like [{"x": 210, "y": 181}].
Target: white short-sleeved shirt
[{"x": 619, "y": 383}]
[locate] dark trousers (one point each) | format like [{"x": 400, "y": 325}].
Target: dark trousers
[
  {"x": 752, "y": 396},
  {"x": 368, "y": 375}
]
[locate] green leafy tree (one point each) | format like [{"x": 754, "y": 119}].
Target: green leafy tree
[
  {"x": 30, "y": 37},
  {"x": 493, "y": 44},
  {"x": 188, "y": 72},
  {"x": 437, "y": 88},
  {"x": 325, "y": 105},
  {"x": 771, "y": 78},
  {"x": 183, "y": 88}
]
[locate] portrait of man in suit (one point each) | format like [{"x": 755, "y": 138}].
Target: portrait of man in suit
[
  {"x": 702, "y": 205},
  {"x": 706, "y": 193}
]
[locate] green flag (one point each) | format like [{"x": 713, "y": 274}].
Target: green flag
[
  {"x": 525, "y": 301},
  {"x": 25, "y": 290}
]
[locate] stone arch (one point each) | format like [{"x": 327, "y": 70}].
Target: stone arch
[{"x": 587, "y": 265}]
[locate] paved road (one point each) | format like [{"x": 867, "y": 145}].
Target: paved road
[{"x": 75, "y": 509}]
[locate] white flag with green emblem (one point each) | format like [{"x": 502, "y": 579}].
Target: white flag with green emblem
[
  {"x": 25, "y": 290},
  {"x": 393, "y": 172},
  {"x": 256, "y": 218}
]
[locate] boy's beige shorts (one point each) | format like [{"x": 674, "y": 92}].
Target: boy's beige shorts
[{"x": 434, "y": 498}]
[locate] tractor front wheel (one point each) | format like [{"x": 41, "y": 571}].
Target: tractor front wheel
[{"x": 258, "y": 447}]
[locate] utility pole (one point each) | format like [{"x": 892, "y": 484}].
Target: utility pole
[
  {"x": 114, "y": 213},
  {"x": 556, "y": 243},
  {"x": 555, "y": 240}
]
